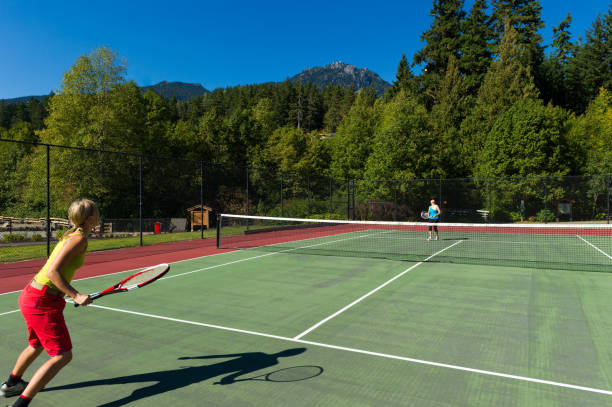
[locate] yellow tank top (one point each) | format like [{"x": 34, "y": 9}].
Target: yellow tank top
[{"x": 69, "y": 270}]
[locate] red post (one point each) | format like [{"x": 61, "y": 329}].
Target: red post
[{"x": 157, "y": 228}]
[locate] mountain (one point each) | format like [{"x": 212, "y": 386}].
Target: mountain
[
  {"x": 180, "y": 90},
  {"x": 23, "y": 99},
  {"x": 342, "y": 74}
]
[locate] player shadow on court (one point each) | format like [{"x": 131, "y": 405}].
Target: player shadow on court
[{"x": 168, "y": 380}]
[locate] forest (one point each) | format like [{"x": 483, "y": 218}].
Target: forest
[{"x": 484, "y": 103}]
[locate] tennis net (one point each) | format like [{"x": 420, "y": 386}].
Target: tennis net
[{"x": 584, "y": 247}]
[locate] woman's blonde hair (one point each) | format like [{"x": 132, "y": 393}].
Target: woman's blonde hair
[{"x": 79, "y": 211}]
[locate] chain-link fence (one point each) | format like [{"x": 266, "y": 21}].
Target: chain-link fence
[{"x": 149, "y": 198}]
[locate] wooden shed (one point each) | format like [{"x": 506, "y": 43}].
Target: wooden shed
[{"x": 199, "y": 217}]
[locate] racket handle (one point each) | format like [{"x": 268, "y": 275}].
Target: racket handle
[{"x": 92, "y": 296}]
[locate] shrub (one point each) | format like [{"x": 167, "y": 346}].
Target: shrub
[
  {"x": 36, "y": 238},
  {"x": 13, "y": 238},
  {"x": 542, "y": 217}
]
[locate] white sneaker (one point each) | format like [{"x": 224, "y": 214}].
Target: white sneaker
[
  {"x": 429, "y": 238},
  {"x": 436, "y": 238},
  {"x": 9, "y": 391}
]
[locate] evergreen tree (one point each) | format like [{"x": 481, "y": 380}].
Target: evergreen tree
[
  {"x": 441, "y": 40},
  {"x": 475, "y": 41},
  {"x": 453, "y": 102},
  {"x": 592, "y": 66},
  {"x": 404, "y": 79},
  {"x": 555, "y": 67},
  {"x": 525, "y": 17},
  {"x": 508, "y": 80}
]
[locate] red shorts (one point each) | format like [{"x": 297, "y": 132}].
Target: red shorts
[{"x": 44, "y": 317}]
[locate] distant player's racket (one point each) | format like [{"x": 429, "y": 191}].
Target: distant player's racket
[
  {"x": 289, "y": 374},
  {"x": 425, "y": 215},
  {"x": 140, "y": 279}
]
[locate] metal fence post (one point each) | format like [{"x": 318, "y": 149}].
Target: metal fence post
[
  {"x": 331, "y": 203},
  {"x": 281, "y": 194},
  {"x": 247, "y": 196},
  {"x": 48, "y": 204},
  {"x": 140, "y": 196},
  {"x": 395, "y": 201},
  {"x": 202, "y": 199},
  {"x": 348, "y": 198},
  {"x": 608, "y": 200},
  {"x": 545, "y": 199},
  {"x": 308, "y": 193}
]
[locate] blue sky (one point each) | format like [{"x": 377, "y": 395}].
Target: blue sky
[{"x": 220, "y": 44}]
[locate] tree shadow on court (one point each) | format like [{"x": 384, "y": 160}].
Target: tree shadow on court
[{"x": 168, "y": 380}]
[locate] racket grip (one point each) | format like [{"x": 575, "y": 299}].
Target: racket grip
[{"x": 92, "y": 296}]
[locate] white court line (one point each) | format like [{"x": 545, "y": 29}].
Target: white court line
[
  {"x": 9, "y": 312},
  {"x": 365, "y": 352},
  {"x": 318, "y": 324},
  {"x": 594, "y": 247}
]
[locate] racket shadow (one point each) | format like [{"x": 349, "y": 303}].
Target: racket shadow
[{"x": 232, "y": 370}]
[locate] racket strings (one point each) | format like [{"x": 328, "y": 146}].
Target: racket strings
[{"x": 145, "y": 276}]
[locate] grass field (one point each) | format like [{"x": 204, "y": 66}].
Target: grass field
[{"x": 383, "y": 332}]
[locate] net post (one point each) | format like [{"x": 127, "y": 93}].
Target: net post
[{"x": 48, "y": 204}]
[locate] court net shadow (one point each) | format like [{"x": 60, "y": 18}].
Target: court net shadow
[{"x": 231, "y": 371}]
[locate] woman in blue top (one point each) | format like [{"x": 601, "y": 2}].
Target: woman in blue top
[{"x": 434, "y": 217}]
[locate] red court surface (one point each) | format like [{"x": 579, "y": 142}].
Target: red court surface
[{"x": 14, "y": 276}]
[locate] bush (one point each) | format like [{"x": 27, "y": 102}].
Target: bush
[
  {"x": 515, "y": 216},
  {"x": 36, "y": 238},
  {"x": 12, "y": 238},
  {"x": 542, "y": 217}
]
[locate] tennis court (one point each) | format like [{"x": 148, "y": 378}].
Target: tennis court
[{"x": 372, "y": 323}]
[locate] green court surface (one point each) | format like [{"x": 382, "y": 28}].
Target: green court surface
[{"x": 379, "y": 332}]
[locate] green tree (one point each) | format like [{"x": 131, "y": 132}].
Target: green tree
[
  {"x": 453, "y": 102},
  {"x": 529, "y": 139},
  {"x": 352, "y": 143},
  {"x": 508, "y": 80},
  {"x": 441, "y": 40},
  {"x": 525, "y": 17},
  {"x": 402, "y": 145},
  {"x": 475, "y": 41},
  {"x": 95, "y": 108},
  {"x": 404, "y": 79},
  {"x": 555, "y": 67},
  {"x": 592, "y": 66},
  {"x": 593, "y": 131}
]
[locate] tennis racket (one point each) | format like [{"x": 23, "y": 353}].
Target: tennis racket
[
  {"x": 425, "y": 215},
  {"x": 289, "y": 374},
  {"x": 140, "y": 279}
]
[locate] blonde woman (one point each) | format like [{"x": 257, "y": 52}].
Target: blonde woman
[{"x": 42, "y": 306}]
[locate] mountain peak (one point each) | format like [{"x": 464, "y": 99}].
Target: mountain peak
[{"x": 342, "y": 74}]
